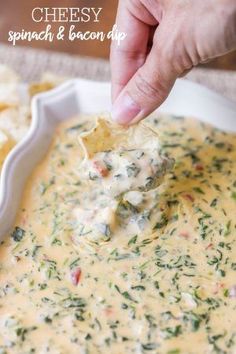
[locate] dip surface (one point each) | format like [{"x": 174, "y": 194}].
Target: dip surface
[{"x": 171, "y": 290}]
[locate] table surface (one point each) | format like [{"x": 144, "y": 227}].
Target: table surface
[{"x": 30, "y": 64}]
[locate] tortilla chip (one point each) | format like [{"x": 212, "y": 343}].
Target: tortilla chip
[
  {"x": 15, "y": 122},
  {"x": 39, "y": 87},
  {"x": 47, "y": 82},
  {"x": 9, "y": 95},
  {"x": 4, "y": 106},
  {"x": 106, "y": 136},
  {"x": 7, "y": 75},
  {"x": 6, "y": 144}
]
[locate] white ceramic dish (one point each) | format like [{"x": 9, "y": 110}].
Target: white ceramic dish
[{"x": 82, "y": 96}]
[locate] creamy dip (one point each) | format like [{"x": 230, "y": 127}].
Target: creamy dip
[
  {"x": 170, "y": 289},
  {"x": 128, "y": 170}
]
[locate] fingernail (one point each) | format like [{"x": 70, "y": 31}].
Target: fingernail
[{"x": 125, "y": 109}]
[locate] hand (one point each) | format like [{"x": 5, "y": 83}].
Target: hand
[{"x": 165, "y": 39}]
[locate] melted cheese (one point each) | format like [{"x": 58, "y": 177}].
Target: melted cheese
[
  {"x": 128, "y": 170},
  {"x": 167, "y": 290}
]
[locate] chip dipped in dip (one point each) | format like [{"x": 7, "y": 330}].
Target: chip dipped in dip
[{"x": 124, "y": 159}]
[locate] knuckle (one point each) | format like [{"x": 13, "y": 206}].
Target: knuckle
[
  {"x": 182, "y": 62},
  {"x": 130, "y": 55},
  {"x": 150, "y": 91},
  {"x": 176, "y": 57},
  {"x": 134, "y": 7}
]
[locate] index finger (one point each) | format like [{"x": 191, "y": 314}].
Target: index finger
[{"x": 130, "y": 55}]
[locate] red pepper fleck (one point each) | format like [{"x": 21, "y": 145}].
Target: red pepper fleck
[
  {"x": 218, "y": 287},
  {"x": 188, "y": 197},
  {"x": 184, "y": 234},
  {"x": 108, "y": 311},
  {"x": 75, "y": 276},
  {"x": 199, "y": 167},
  {"x": 100, "y": 168},
  {"x": 209, "y": 246}
]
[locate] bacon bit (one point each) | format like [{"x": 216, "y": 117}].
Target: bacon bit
[
  {"x": 184, "y": 234},
  {"x": 188, "y": 197},
  {"x": 209, "y": 246},
  {"x": 232, "y": 291},
  {"x": 199, "y": 167},
  {"x": 101, "y": 168},
  {"x": 75, "y": 276}
]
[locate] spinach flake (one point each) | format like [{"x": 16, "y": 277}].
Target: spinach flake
[{"x": 18, "y": 234}]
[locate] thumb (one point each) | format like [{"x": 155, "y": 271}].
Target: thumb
[{"x": 147, "y": 89}]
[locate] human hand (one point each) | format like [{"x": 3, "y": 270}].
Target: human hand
[{"x": 165, "y": 39}]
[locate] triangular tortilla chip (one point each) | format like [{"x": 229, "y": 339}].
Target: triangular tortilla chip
[{"x": 106, "y": 136}]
